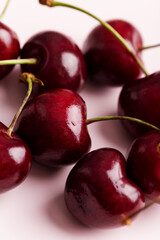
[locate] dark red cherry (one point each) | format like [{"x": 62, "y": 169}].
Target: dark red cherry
[
  {"x": 9, "y": 48},
  {"x": 108, "y": 61},
  {"x": 15, "y": 160},
  {"x": 53, "y": 125},
  {"x": 143, "y": 164},
  {"x": 97, "y": 191},
  {"x": 60, "y": 61},
  {"x": 141, "y": 99}
]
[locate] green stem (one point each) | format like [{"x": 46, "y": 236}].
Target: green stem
[
  {"x": 29, "y": 78},
  {"x": 126, "y": 220},
  {"x": 4, "y": 10},
  {"x": 52, "y": 3},
  {"x": 148, "y": 47},
  {"x": 104, "y": 118},
  {"x": 18, "y": 61}
]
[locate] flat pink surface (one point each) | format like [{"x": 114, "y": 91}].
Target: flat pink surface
[{"x": 35, "y": 210}]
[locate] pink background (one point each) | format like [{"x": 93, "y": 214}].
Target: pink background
[{"x": 35, "y": 210}]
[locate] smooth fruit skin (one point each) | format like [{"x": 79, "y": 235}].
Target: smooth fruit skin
[
  {"x": 143, "y": 163},
  {"x": 97, "y": 191},
  {"x": 141, "y": 99},
  {"x": 9, "y": 48},
  {"x": 108, "y": 61},
  {"x": 60, "y": 61},
  {"x": 53, "y": 125},
  {"x": 15, "y": 160}
]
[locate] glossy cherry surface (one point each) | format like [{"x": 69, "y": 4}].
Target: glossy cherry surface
[
  {"x": 97, "y": 190},
  {"x": 141, "y": 99},
  {"x": 60, "y": 61},
  {"x": 9, "y": 47},
  {"x": 53, "y": 125},
  {"x": 143, "y": 164},
  {"x": 15, "y": 160},
  {"x": 108, "y": 61}
]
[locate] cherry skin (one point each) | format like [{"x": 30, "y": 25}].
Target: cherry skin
[
  {"x": 60, "y": 61},
  {"x": 141, "y": 99},
  {"x": 9, "y": 48},
  {"x": 97, "y": 191},
  {"x": 108, "y": 61},
  {"x": 143, "y": 164},
  {"x": 15, "y": 160},
  {"x": 53, "y": 125}
]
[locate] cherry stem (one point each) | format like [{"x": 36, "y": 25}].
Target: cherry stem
[
  {"x": 18, "y": 61},
  {"x": 104, "y": 118},
  {"x": 126, "y": 220},
  {"x": 148, "y": 47},
  {"x": 52, "y": 3},
  {"x": 4, "y": 10},
  {"x": 29, "y": 78}
]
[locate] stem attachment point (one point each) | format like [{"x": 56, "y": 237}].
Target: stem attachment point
[
  {"x": 46, "y": 2},
  {"x": 26, "y": 78},
  {"x": 125, "y": 220}
]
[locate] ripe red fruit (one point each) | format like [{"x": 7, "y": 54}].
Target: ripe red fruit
[
  {"x": 98, "y": 192},
  {"x": 108, "y": 61},
  {"x": 60, "y": 61},
  {"x": 141, "y": 99},
  {"x": 53, "y": 124},
  {"x": 15, "y": 160},
  {"x": 143, "y": 163}
]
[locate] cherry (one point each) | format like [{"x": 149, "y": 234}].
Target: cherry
[
  {"x": 97, "y": 191},
  {"x": 141, "y": 99},
  {"x": 60, "y": 63},
  {"x": 53, "y": 125},
  {"x": 143, "y": 164},
  {"x": 9, "y": 47},
  {"x": 15, "y": 160},
  {"x": 108, "y": 61}
]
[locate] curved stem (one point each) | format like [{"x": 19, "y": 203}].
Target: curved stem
[
  {"x": 52, "y": 3},
  {"x": 29, "y": 78},
  {"x": 126, "y": 220},
  {"x": 18, "y": 61},
  {"x": 104, "y": 118},
  {"x": 148, "y": 47},
  {"x": 4, "y": 10}
]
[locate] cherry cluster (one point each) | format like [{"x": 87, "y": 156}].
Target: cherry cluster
[{"x": 102, "y": 189}]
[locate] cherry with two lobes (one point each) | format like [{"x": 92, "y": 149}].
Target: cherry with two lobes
[
  {"x": 141, "y": 99},
  {"x": 53, "y": 125},
  {"x": 108, "y": 61},
  {"x": 9, "y": 48},
  {"x": 98, "y": 192}
]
